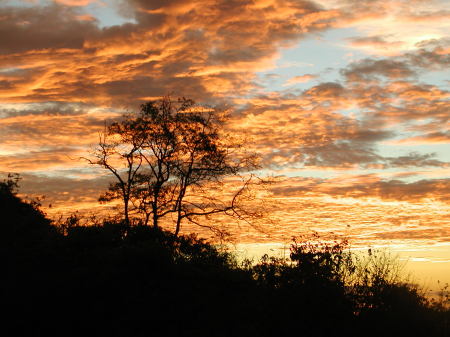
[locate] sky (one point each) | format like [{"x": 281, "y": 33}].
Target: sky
[{"x": 346, "y": 102}]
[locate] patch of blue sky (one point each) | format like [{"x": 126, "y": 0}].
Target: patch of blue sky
[
  {"x": 439, "y": 78},
  {"x": 310, "y": 172},
  {"x": 293, "y": 172},
  {"x": 441, "y": 150},
  {"x": 26, "y": 3},
  {"x": 409, "y": 174},
  {"x": 8, "y": 71},
  {"x": 322, "y": 55},
  {"x": 72, "y": 173},
  {"x": 336, "y": 173},
  {"x": 20, "y": 3},
  {"x": 354, "y": 113},
  {"x": 107, "y": 14}
]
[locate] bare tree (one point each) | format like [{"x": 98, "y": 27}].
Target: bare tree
[{"x": 167, "y": 161}]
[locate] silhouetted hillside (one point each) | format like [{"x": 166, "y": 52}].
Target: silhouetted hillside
[{"x": 117, "y": 280}]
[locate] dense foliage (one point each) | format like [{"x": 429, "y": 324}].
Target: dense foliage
[{"x": 112, "y": 279}]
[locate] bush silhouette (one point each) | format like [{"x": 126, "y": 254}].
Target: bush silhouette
[
  {"x": 21, "y": 219},
  {"x": 112, "y": 279}
]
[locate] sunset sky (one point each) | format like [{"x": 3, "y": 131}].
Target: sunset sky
[{"x": 346, "y": 102}]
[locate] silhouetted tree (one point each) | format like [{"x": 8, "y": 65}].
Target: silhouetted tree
[
  {"x": 19, "y": 218},
  {"x": 167, "y": 159}
]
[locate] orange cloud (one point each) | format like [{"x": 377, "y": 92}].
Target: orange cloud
[
  {"x": 81, "y": 61},
  {"x": 300, "y": 79},
  {"x": 376, "y": 43},
  {"x": 75, "y": 2},
  {"x": 85, "y": 17},
  {"x": 61, "y": 74},
  {"x": 428, "y": 138}
]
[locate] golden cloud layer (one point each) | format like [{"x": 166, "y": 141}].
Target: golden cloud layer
[{"x": 62, "y": 75}]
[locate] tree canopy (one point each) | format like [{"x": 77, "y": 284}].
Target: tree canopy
[{"x": 170, "y": 159}]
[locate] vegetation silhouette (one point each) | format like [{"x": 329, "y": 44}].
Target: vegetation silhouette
[
  {"x": 115, "y": 279},
  {"x": 167, "y": 158}
]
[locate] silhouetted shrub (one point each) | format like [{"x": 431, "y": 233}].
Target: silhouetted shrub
[
  {"x": 21, "y": 220},
  {"x": 112, "y": 279}
]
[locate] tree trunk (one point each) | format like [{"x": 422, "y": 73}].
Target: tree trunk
[
  {"x": 178, "y": 225},
  {"x": 127, "y": 219},
  {"x": 155, "y": 214}
]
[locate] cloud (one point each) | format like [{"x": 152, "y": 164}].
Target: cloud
[
  {"x": 415, "y": 159},
  {"x": 41, "y": 160},
  {"x": 366, "y": 186},
  {"x": 49, "y": 128},
  {"x": 390, "y": 92},
  {"x": 398, "y": 190},
  {"x": 75, "y": 2},
  {"x": 425, "y": 233},
  {"x": 24, "y": 29},
  {"x": 392, "y": 27},
  {"x": 172, "y": 45},
  {"x": 45, "y": 109},
  {"x": 424, "y": 54},
  {"x": 431, "y": 60},
  {"x": 61, "y": 74},
  {"x": 428, "y": 138},
  {"x": 300, "y": 79},
  {"x": 327, "y": 91},
  {"x": 309, "y": 130},
  {"x": 85, "y": 17},
  {"x": 377, "y": 43},
  {"x": 438, "y": 15},
  {"x": 439, "y": 45},
  {"x": 370, "y": 68},
  {"x": 46, "y": 136},
  {"x": 65, "y": 193}
]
